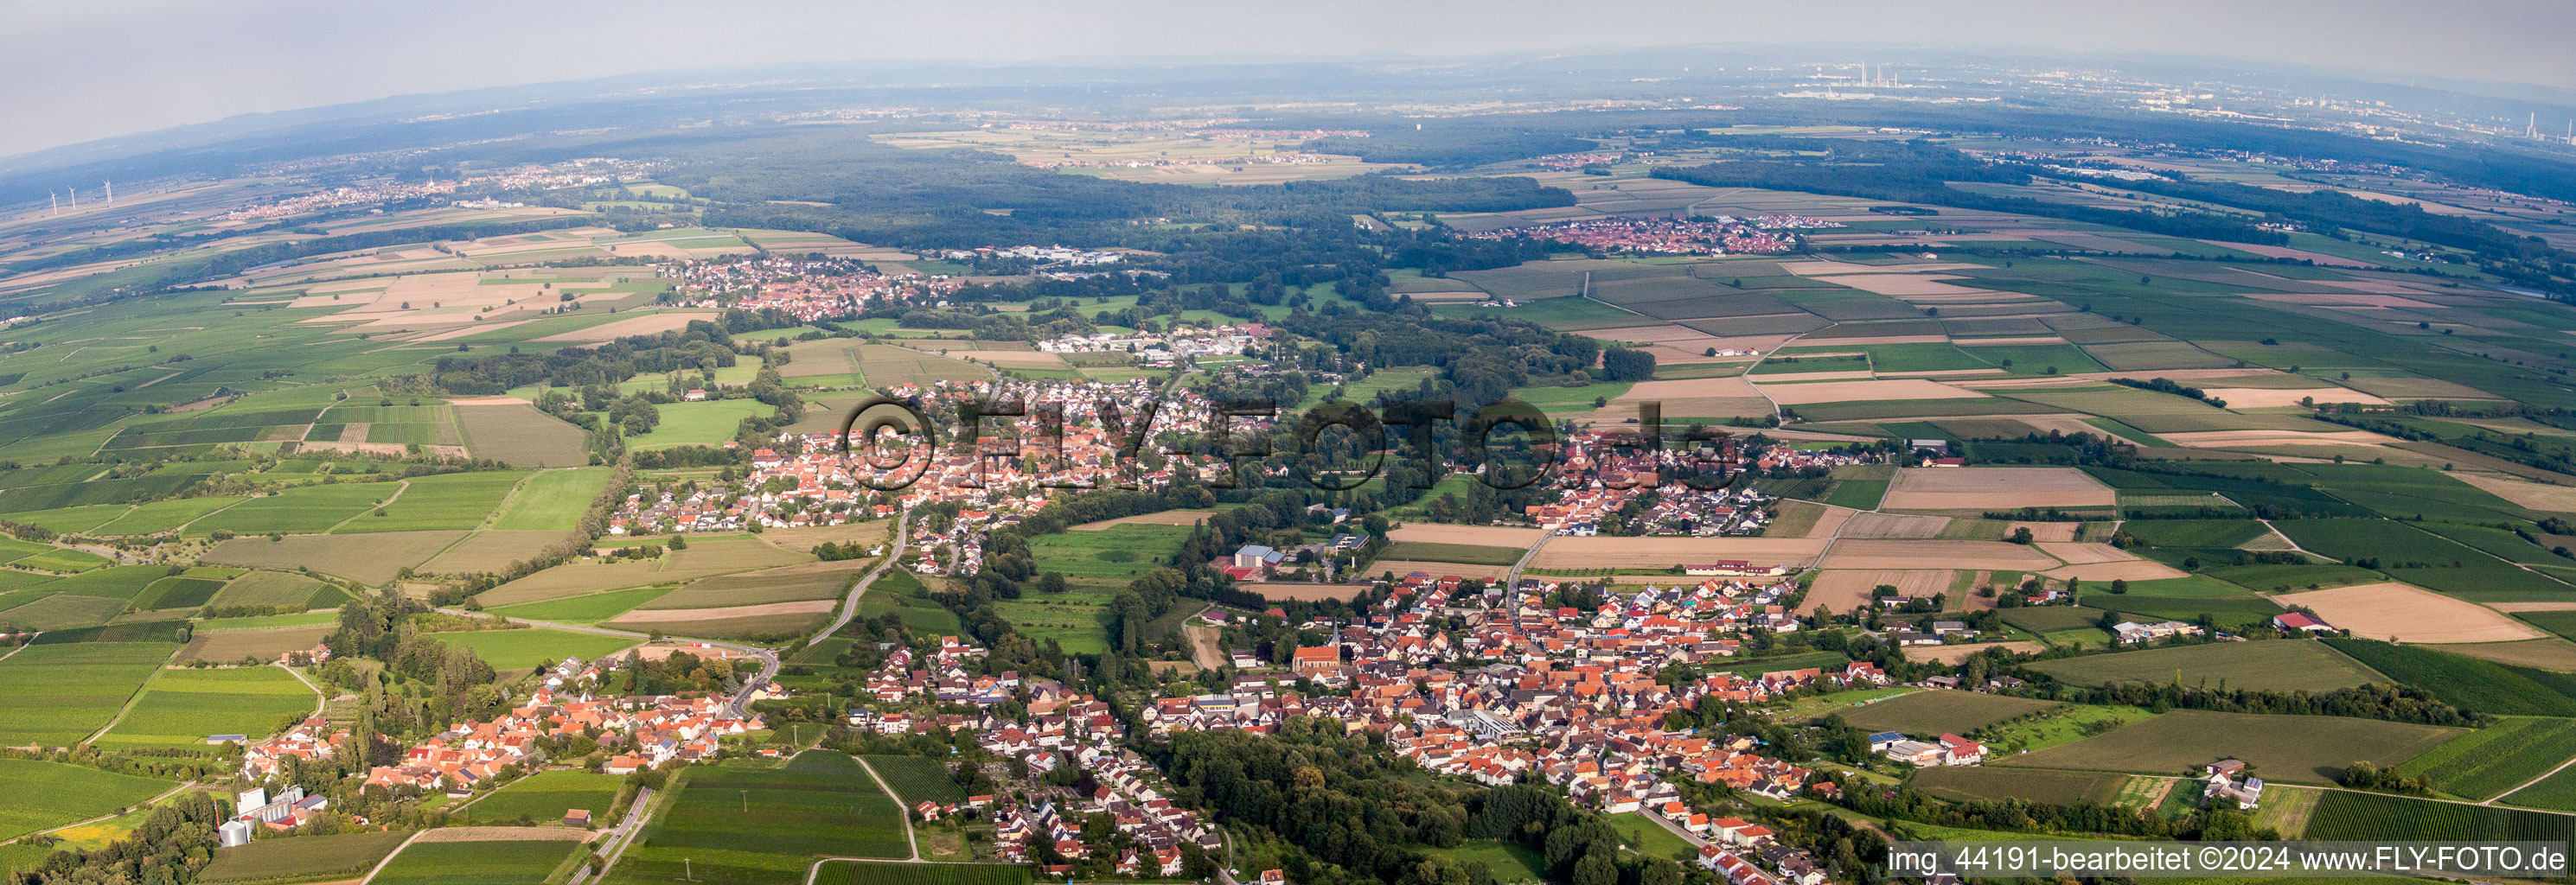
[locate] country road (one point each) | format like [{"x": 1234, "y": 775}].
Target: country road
[
  {"x": 738, "y": 707},
  {"x": 1512, "y": 579},
  {"x": 612, "y": 844},
  {"x": 893, "y": 556}
]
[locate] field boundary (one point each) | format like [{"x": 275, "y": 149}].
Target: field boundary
[
  {"x": 131, "y": 699},
  {"x": 906, "y": 813}
]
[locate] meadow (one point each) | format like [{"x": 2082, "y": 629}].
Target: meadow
[
  {"x": 738, "y": 823},
  {"x": 475, "y": 863},
  {"x": 525, "y": 649},
  {"x": 44, "y": 795},
  {"x": 552, "y": 499},
  {"x": 2257, "y": 666},
  {"x": 1931, "y": 713},
  {"x": 544, "y": 797},
  {"x": 60, "y": 694},
  {"x": 184, "y": 707},
  {"x": 446, "y": 501},
  {"x": 2293, "y": 749},
  {"x": 697, "y": 424}
]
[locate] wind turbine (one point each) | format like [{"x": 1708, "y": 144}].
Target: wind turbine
[
  {"x": 54, "y": 199},
  {"x": 111, "y": 190}
]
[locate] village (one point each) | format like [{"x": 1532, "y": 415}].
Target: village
[
  {"x": 809, "y": 289},
  {"x": 1721, "y": 235}
]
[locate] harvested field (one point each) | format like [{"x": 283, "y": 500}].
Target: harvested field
[
  {"x": 265, "y": 645},
  {"x": 650, "y": 324},
  {"x": 1167, "y": 517},
  {"x": 1603, "y": 552},
  {"x": 2083, "y": 554},
  {"x": 1847, "y": 590},
  {"x": 1890, "y": 525},
  {"x": 493, "y": 551},
  {"x": 2047, "y": 531},
  {"x": 516, "y": 433},
  {"x": 372, "y": 558},
  {"x": 1994, "y": 488},
  {"x": 1852, "y": 391},
  {"x": 1908, "y": 554},
  {"x": 1306, "y": 592},
  {"x": 886, "y": 365},
  {"x": 1955, "y": 654},
  {"x": 2265, "y": 398},
  {"x": 1439, "y": 569},
  {"x": 1489, "y": 536},
  {"x": 2546, "y": 654},
  {"x": 2537, "y": 496},
  {"x": 2132, "y": 570},
  {"x": 1831, "y": 522},
  {"x": 2226, "y": 439},
  {"x": 2404, "y": 613}
]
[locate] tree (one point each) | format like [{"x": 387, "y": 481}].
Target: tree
[{"x": 1621, "y": 364}]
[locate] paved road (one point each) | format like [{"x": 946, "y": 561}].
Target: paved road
[
  {"x": 1512, "y": 580},
  {"x": 1679, "y": 830},
  {"x": 893, "y": 556},
  {"x": 612, "y": 844}
]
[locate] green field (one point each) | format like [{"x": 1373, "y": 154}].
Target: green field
[
  {"x": 1649, "y": 838},
  {"x": 1931, "y": 713},
  {"x": 282, "y": 589},
  {"x": 853, "y": 872},
  {"x": 917, "y": 778},
  {"x": 474, "y": 863},
  {"x": 1511, "y": 862},
  {"x": 305, "y": 858},
  {"x": 2557, "y": 792},
  {"x": 177, "y": 591},
  {"x": 2292, "y": 749},
  {"x": 2280, "y": 665},
  {"x": 184, "y": 707},
  {"x": 525, "y": 649},
  {"x": 2376, "y": 817},
  {"x": 1976, "y": 782},
  {"x": 545, "y": 796},
  {"x": 44, "y": 795},
  {"x": 2470, "y": 683},
  {"x": 697, "y": 424},
  {"x": 746, "y": 824},
  {"x": 303, "y": 509},
  {"x": 2489, "y": 761},
  {"x": 58, "y": 695},
  {"x": 447, "y": 501},
  {"x": 553, "y": 499},
  {"x": 585, "y": 610}
]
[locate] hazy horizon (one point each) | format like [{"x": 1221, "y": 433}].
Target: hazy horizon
[{"x": 126, "y": 67}]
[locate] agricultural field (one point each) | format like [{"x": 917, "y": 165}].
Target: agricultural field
[
  {"x": 917, "y": 778},
  {"x": 746, "y": 824},
  {"x": 517, "y": 434},
  {"x": 2292, "y": 749},
  {"x": 2469, "y": 683},
  {"x": 552, "y": 500},
  {"x": 267, "y": 588},
  {"x": 475, "y": 863},
  {"x": 584, "y": 610},
  {"x": 2256, "y": 666},
  {"x": 852, "y": 872},
  {"x": 59, "y": 694},
  {"x": 697, "y": 424},
  {"x": 2345, "y": 815},
  {"x": 303, "y": 509},
  {"x": 1936, "y": 712},
  {"x": 45, "y": 794},
  {"x": 448, "y": 501},
  {"x": 184, "y": 707},
  {"x": 543, "y": 798},
  {"x": 306, "y": 858},
  {"x": 2490, "y": 761},
  {"x": 2034, "y": 785},
  {"x": 525, "y": 649}
]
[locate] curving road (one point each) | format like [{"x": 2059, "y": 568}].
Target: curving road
[
  {"x": 738, "y": 707},
  {"x": 850, "y": 609}
]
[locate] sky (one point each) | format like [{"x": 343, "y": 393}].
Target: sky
[{"x": 104, "y": 68}]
